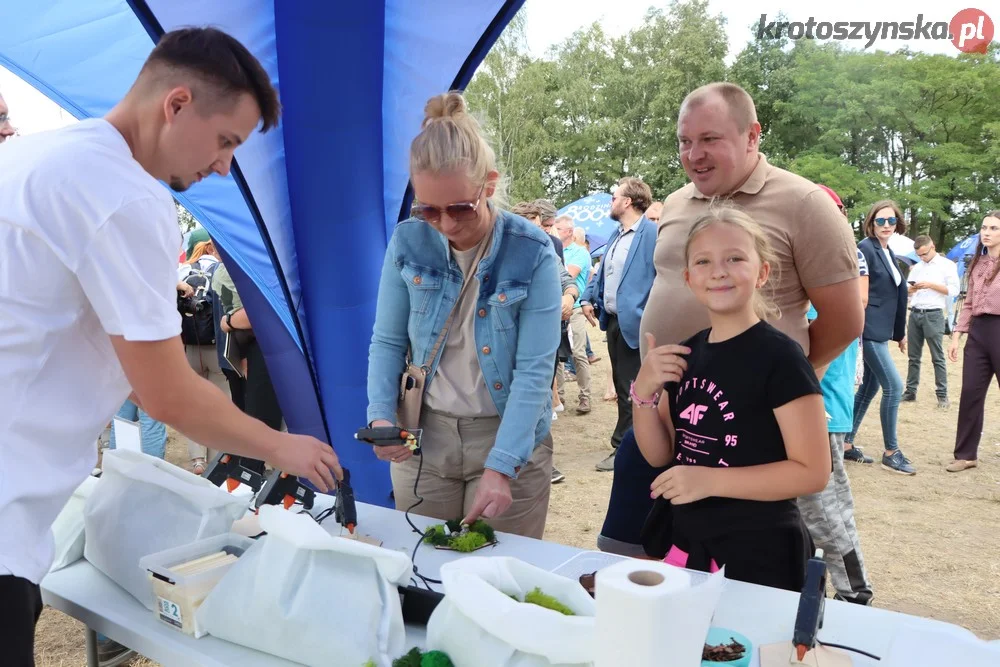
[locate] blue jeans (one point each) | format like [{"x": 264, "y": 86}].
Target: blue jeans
[
  {"x": 570, "y": 366},
  {"x": 153, "y": 433},
  {"x": 879, "y": 372}
]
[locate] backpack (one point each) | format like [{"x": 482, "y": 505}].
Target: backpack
[{"x": 197, "y": 312}]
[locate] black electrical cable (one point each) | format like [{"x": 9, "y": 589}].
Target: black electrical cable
[
  {"x": 423, "y": 534},
  {"x": 324, "y": 515},
  {"x": 849, "y": 648}
]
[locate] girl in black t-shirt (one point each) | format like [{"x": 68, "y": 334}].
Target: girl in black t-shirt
[{"x": 741, "y": 423}]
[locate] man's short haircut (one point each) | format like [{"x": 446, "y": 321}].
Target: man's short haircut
[
  {"x": 636, "y": 190},
  {"x": 738, "y": 101},
  {"x": 921, "y": 241},
  {"x": 580, "y": 235},
  {"x": 222, "y": 66},
  {"x": 524, "y": 209},
  {"x": 546, "y": 209},
  {"x": 564, "y": 218}
]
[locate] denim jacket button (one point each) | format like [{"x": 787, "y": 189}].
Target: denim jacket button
[
  {"x": 416, "y": 280},
  {"x": 486, "y": 349},
  {"x": 502, "y": 298},
  {"x": 482, "y": 312},
  {"x": 498, "y": 386}
]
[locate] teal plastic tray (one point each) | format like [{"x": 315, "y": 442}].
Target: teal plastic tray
[{"x": 724, "y": 636}]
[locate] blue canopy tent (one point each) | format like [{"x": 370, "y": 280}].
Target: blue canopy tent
[
  {"x": 591, "y": 213},
  {"x": 962, "y": 250},
  {"x": 304, "y": 218}
]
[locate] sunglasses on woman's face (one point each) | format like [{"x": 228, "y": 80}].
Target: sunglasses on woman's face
[
  {"x": 884, "y": 222},
  {"x": 463, "y": 211}
]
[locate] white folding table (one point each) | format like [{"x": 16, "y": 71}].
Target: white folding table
[{"x": 763, "y": 615}]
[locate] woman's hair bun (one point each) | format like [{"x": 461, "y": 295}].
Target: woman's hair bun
[{"x": 447, "y": 105}]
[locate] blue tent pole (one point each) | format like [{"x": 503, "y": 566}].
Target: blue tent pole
[
  {"x": 149, "y": 21},
  {"x": 468, "y": 69}
]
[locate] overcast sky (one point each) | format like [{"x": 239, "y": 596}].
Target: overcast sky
[{"x": 550, "y": 22}]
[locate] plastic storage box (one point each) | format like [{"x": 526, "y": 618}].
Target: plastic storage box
[{"x": 183, "y": 577}]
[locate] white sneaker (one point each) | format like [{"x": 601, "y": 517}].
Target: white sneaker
[
  {"x": 555, "y": 416},
  {"x": 560, "y": 407}
]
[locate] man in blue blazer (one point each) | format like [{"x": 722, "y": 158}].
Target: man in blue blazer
[{"x": 617, "y": 295}]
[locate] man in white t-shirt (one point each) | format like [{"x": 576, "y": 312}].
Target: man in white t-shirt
[{"x": 88, "y": 310}]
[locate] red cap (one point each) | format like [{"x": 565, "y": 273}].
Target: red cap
[{"x": 836, "y": 199}]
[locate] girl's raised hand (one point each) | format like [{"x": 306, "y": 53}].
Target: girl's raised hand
[{"x": 662, "y": 364}]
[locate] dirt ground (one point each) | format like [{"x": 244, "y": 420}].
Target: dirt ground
[{"x": 930, "y": 542}]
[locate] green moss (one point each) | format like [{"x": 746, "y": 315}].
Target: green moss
[
  {"x": 411, "y": 659},
  {"x": 436, "y": 659},
  {"x": 468, "y": 542},
  {"x": 542, "y": 600},
  {"x": 416, "y": 658},
  {"x": 437, "y": 536},
  {"x": 484, "y": 529},
  {"x": 479, "y": 533}
]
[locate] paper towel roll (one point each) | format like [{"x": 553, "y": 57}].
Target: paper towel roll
[{"x": 650, "y": 614}]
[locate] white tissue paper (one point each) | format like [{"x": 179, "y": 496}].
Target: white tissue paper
[
  {"x": 478, "y": 624},
  {"x": 143, "y": 505},
  {"x": 303, "y": 594},
  {"x": 921, "y": 645},
  {"x": 643, "y": 607},
  {"x": 68, "y": 529}
]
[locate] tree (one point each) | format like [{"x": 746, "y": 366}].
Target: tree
[
  {"x": 921, "y": 129},
  {"x": 185, "y": 220}
]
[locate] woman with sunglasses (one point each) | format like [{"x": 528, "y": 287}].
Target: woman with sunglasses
[
  {"x": 980, "y": 321},
  {"x": 470, "y": 294},
  {"x": 885, "y": 320}
]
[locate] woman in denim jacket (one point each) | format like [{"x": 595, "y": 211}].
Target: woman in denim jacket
[{"x": 487, "y": 408}]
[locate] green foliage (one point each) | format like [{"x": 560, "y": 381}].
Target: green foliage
[
  {"x": 370, "y": 663},
  {"x": 920, "y": 128},
  {"x": 536, "y": 596},
  {"x": 411, "y": 659},
  {"x": 436, "y": 659}
]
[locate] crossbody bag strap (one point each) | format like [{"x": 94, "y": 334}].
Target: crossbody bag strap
[{"x": 465, "y": 288}]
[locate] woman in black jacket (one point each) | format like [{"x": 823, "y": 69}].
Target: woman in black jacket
[{"x": 885, "y": 320}]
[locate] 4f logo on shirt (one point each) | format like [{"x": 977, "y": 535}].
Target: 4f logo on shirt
[{"x": 694, "y": 412}]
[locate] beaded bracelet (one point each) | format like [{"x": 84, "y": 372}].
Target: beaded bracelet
[{"x": 643, "y": 402}]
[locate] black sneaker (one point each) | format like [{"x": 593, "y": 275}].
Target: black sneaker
[
  {"x": 557, "y": 476},
  {"x": 857, "y": 456},
  {"x": 908, "y": 397},
  {"x": 896, "y": 462},
  {"x": 111, "y": 654}
]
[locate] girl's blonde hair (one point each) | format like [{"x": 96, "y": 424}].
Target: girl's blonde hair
[
  {"x": 451, "y": 138},
  {"x": 729, "y": 214}
]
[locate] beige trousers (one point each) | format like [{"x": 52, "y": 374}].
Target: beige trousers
[
  {"x": 454, "y": 450},
  {"x": 205, "y": 361},
  {"x": 578, "y": 329}
]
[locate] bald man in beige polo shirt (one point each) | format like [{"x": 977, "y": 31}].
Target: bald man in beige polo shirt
[{"x": 719, "y": 138}]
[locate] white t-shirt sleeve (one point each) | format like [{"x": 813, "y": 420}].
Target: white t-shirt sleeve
[{"x": 129, "y": 272}]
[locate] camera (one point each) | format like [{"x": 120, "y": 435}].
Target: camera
[{"x": 193, "y": 305}]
